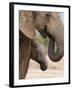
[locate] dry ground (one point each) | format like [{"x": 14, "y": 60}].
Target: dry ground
[{"x": 54, "y": 70}]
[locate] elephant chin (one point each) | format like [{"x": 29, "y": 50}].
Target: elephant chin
[{"x": 55, "y": 56}]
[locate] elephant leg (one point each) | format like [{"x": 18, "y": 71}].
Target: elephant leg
[
  {"x": 24, "y": 56},
  {"x": 38, "y": 55}
]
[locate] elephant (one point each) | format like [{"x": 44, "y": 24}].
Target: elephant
[
  {"x": 49, "y": 25},
  {"x": 38, "y": 55},
  {"x": 30, "y": 49}
]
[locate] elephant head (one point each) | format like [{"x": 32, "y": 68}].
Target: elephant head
[{"x": 49, "y": 24}]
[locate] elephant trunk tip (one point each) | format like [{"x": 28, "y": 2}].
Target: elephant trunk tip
[
  {"x": 55, "y": 59},
  {"x": 55, "y": 56},
  {"x": 43, "y": 67}
]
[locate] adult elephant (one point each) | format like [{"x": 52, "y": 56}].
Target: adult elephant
[{"x": 49, "y": 25}]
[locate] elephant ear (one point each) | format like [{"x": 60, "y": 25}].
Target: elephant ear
[{"x": 26, "y": 24}]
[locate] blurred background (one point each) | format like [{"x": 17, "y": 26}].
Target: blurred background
[{"x": 54, "y": 69}]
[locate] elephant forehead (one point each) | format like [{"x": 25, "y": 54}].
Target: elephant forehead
[{"x": 26, "y": 24}]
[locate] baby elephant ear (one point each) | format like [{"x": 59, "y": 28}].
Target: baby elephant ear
[{"x": 26, "y": 25}]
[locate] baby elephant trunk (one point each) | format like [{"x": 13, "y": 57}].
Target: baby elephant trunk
[{"x": 38, "y": 54}]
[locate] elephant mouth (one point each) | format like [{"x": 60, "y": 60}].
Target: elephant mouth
[{"x": 43, "y": 32}]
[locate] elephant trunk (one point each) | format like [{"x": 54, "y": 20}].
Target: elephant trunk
[
  {"x": 55, "y": 55},
  {"x": 57, "y": 36}
]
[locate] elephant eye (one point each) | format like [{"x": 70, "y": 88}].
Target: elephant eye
[{"x": 48, "y": 15}]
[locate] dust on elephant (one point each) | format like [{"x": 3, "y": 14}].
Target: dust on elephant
[{"x": 49, "y": 25}]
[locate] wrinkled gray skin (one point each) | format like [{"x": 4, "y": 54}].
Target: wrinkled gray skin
[
  {"x": 33, "y": 51},
  {"x": 50, "y": 25},
  {"x": 38, "y": 54}
]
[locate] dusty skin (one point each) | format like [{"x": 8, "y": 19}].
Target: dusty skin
[{"x": 54, "y": 70}]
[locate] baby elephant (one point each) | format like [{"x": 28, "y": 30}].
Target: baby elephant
[
  {"x": 30, "y": 49},
  {"x": 38, "y": 54}
]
